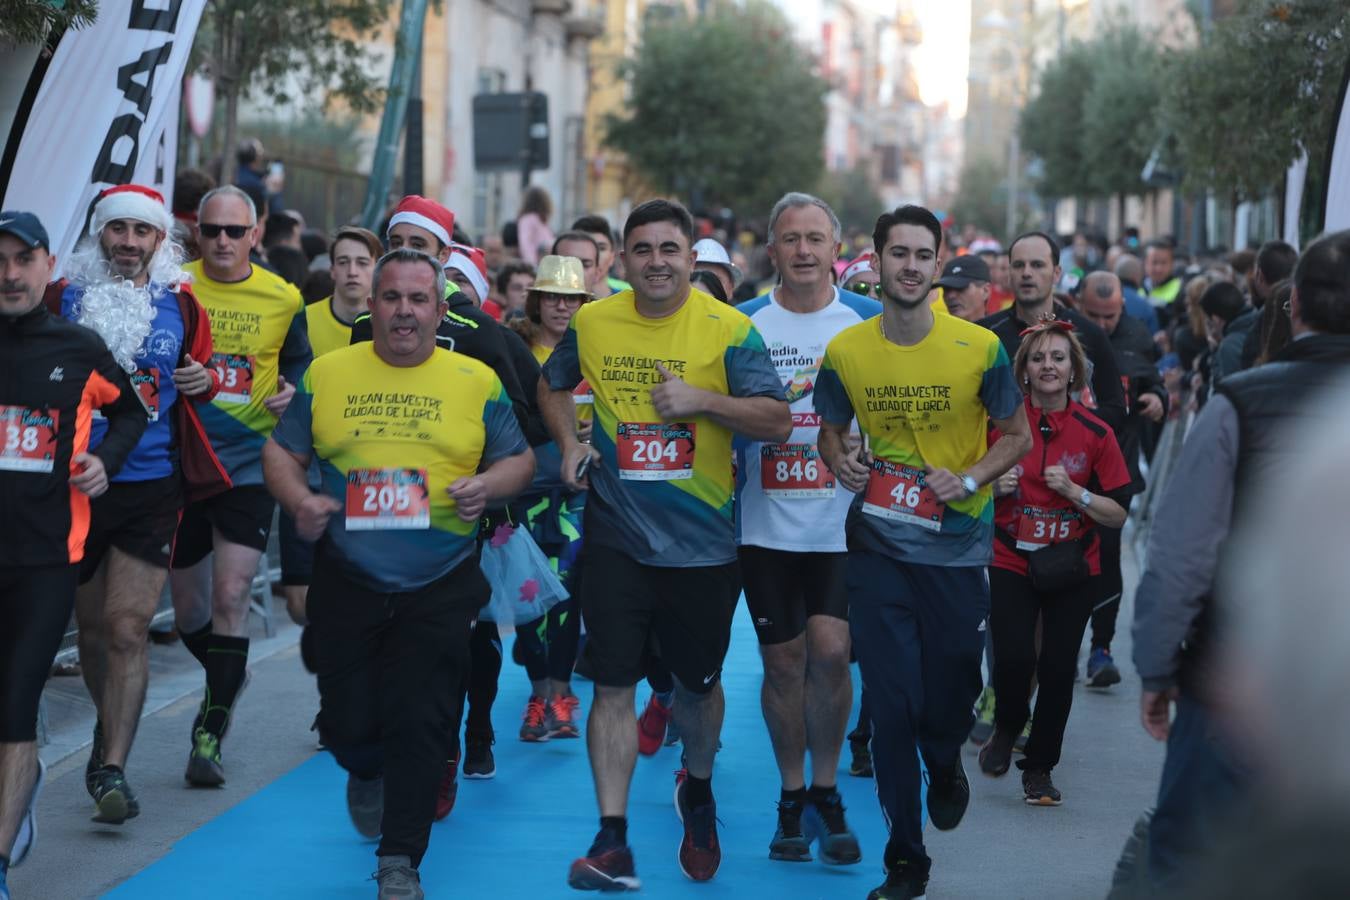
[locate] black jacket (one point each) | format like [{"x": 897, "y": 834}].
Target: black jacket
[
  {"x": 53, "y": 374},
  {"x": 1136, "y": 357}
]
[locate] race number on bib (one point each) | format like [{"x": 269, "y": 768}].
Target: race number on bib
[
  {"x": 235, "y": 371},
  {"x": 900, "y": 493},
  {"x": 146, "y": 383},
  {"x": 29, "y": 438},
  {"x": 1040, "y": 528},
  {"x": 794, "y": 471},
  {"x": 654, "y": 451},
  {"x": 380, "y": 499},
  {"x": 582, "y": 395}
]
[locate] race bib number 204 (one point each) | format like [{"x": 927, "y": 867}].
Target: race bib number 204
[{"x": 655, "y": 451}]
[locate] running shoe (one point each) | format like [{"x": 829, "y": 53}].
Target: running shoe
[
  {"x": 1039, "y": 789},
  {"x": 560, "y": 717},
  {"x": 996, "y": 754},
  {"x": 948, "y": 795},
  {"x": 652, "y": 726},
  {"x": 672, "y": 730},
  {"x": 823, "y": 822},
  {"x": 478, "y": 760},
  {"x": 984, "y": 717},
  {"x": 95, "y": 757},
  {"x": 365, "y": 805},
  {"x": 449, "y": 789},
  {"x": 204, "y": 768},
  {"x": 1020, "y": 745},
  {"x": 607, "y": 866},
  {"x": 398, "y": 879},
  {"x": 113, "y": 798},
  {"x": 860, "y": 746},
  {"x": 1101, "y": 669},
  {"x": 789, "y": 844},
  {"x": 700, "y": 852},
  {"x": 534, "y": 728},
  {"x": 903, "y": 882},
  {"x": 27, "y": 834}
]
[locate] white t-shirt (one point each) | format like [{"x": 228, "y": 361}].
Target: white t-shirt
[{"x": 786, "y": 498}]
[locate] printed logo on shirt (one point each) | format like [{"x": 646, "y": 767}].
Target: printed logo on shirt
[{"x": 58, "y": 374}]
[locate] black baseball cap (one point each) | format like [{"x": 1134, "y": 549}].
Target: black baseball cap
[
  {"x": 26, "y": 227},
  {"x": 963, "y": 271}
]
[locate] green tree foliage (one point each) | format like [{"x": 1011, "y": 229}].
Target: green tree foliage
[
  {"x": 724, "y": 108},
  {"x": 1051, "y": 125},
  {"x": 32, "y": 21},
  {"x": 854, "y": 197},
  {"x": 1120, "y": 119}
]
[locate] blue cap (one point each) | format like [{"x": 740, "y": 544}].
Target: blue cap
[{"x": 26, "y": 227}]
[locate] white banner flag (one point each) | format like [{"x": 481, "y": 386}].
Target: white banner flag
[
  {"x": 1337, "y": 210},
  {"x": 106, "y": 113}
]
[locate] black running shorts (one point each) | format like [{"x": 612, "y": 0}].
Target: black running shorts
[
  {"x": 243, "y": 515},
  {"x": 784, "y": 588},
  {"x": 137, "y": 517}
]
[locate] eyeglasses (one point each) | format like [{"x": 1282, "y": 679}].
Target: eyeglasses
[
  {"x": 866, "y": 288},
  {"x": 235, "y": 232},
  {"x": 571, "y": 300}
]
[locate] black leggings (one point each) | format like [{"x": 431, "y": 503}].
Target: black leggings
[
  {"x": 478, "y": 686},
  {"x": 35, "y": 607},
  {"x": 549, "y": 643},
  {"x": 1106, "y": 605},
  {"x": 1014, "y": 608}
]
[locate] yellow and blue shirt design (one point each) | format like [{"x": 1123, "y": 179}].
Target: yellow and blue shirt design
[
  {"x": 922, "y": 405},
  {"x": 326, "y": 331},
  {"x": 258, "y": 331},
  {"x": 389, "y": 441},
  {"x": 662, "y": 493}
]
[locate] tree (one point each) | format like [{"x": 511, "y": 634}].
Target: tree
[
  {"x": 854, "y": 197},
  {"x": 1120, "y": 119},
  {"x": 261, "y": 48},
  {"x": 726, "y": 109},
  {"x": 1051, "y": 123},
  {"x": 982, "y": 197},
  {"x": 32, "y": 21}
]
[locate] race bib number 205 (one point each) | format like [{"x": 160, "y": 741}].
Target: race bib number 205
[{"x": 381, "y": 499}]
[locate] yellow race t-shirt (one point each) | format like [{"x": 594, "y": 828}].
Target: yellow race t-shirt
[
  {"x": 326, "y": 331},
  {"x": 389, "y": 441},
  {"x": 258, "y": 332},
  {"x": 922, "y": 405},
  {"x": 662, "y": 492}
]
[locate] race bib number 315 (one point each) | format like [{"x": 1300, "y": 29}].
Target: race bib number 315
[
  {"x": 654, "y": 451},
  {"x": 380, "y": 499},
  {"x": 29, "y": 438},
  {"x": 1038, "y": 528},
  {"x": 236, "y": 377},
  {"x": 900, "y": 493},
  {"x": 794, "y": 471}
]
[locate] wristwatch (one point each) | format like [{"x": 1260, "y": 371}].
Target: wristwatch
[
  {"x": 970, "y": 484},
  {"x": 1086, "y": 500}
]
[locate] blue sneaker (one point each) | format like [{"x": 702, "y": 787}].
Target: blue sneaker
[
  {"x": 823, "y": 822},
  {"x": 1101, "y": 669},
  {"x": 27, "y": 834}
]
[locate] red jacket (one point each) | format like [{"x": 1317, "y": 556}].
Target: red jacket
[{"x": 203, "y": 475}]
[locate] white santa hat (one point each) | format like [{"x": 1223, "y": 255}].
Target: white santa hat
[
  {"x": 470, "y": 261},
  {"x": 130, "y": 201}
]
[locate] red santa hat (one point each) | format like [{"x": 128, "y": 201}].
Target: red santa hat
[
  {"x": 130, "y": 201},
  {"x": 863, "y": 263},
  {"x": 426, "y": 214},
  {"x": 472, "y": 262}
]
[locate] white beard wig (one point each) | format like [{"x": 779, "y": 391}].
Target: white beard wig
[{"x": 117, "y": 310}]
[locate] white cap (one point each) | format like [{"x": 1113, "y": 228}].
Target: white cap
[{"x": 713, "y": 253}]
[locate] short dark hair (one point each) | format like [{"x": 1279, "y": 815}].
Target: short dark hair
[
  {"x": 255, "y": 195},
  {"x": 709, "y": 283},
  {"x": 594, "y": 224},
  {"x": 314, "y": 242},
  {"x": 1322, "y": 280},
  {"x": 279, "y": 227},
  {"x": 1222, "y": 299},
  {"x": 510, "y": 235},
  {"x": 1276, "y": 260},
  {"x": 906, "y": 215},
  {"x": 510, "y": 268},
  {"x": 660, "y": 210},
  {"x": 1161, "y": 244},
  {"x": 289, "y": 263},
  {"x": 361, "y": 236},
  {"x": 575, "y": 236},
  {"x": 189, "y": 186},
  {"x": 1054, "y": 245},
  {"x": 318, "y": 285}
]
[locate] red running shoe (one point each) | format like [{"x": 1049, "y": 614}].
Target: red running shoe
[
  {"x": 652, "y": 726},
  {"x": 560, "y": 719},
  {"x": 700, "y": 852},
  {"x": 605, "y": 867},
  {"x": 534, "y": 728},
  {"x": 445, "y": 795}
]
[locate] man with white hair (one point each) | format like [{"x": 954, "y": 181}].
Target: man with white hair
[{"x": 127, "y": 284}]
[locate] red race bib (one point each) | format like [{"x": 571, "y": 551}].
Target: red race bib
[
  {"x": 29, "y": 438},
  {"x": 900, "y": 493},
  {"x": 794, "y": 471},
  {"x": 236, "y": 377},
  {"x": 1038, "y": 528},
  {"x": 381, "y": 499},
  {"x": 582, "y": 395},
  {"x": 146, "y": 383},
  {"x": 655, "y": 451}
]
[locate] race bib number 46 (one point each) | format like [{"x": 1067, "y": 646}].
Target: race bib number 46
[
  {"x": 236, "y": 377},
  {"x": 794, "y": 471},
  {"x": 1039, "y": 527},
  {"x": 900, "y": 493},
  {"x": 654, "y": 451},
  {"x": 380, "y": 499},
  {"x": 29, "y": 438}
]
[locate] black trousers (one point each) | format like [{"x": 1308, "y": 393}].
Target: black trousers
[
  {"x": 35, "y": 605},
  {"x": 387, "y": 664},
  {"x": 1109, "y": 586},
  {"x": 1015, "y": 605}
]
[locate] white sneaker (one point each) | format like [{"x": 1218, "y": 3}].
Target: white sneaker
[{"x": 27, "y": 836}]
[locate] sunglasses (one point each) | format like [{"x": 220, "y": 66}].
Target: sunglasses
[
  {"x": 866, "y": 288},
  {"x": 235, "y": 232},
  {"x": 570, "y": 300}
]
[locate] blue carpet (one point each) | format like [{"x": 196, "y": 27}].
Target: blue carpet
[{"x": 515, "y": 836}]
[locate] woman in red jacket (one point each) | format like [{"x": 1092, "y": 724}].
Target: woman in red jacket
[{"x": 1046, "y": 552}]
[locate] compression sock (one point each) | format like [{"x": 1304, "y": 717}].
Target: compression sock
[{"x": 197, "y": 642}]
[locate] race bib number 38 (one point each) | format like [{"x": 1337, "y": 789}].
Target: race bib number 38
[
  {"x": 380, "y": 499},
  {"x": 236, "y": 377},
  {"x": 1039, "y": 527},
  {"x": 29, "y": 437},
  {"x": 654, "y": 451},
  {"x": 794, "y": 471},
  {"x": 900, "y": 493}
]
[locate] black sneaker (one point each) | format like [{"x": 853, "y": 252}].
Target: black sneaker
[
  {"x": 607, "y": 866},
  {"x": 113, "y": 798},
  {"x": 903, "y": 882},
  {"x": 824, "y": 822},
  {"x": 365, "y": 805},
  {"x": 996, "y": 754},
  {"x": 95, "y": 758},
  {"x": 478, "y": 760},
  {"x": 789, "y": 844},
  {"x": 1039, "y": 789},
  {"x": 861, "y": 764},
  {"x": 948, "y": 796}
]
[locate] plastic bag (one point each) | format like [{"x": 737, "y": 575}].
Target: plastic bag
[{"x": 523, "y": 584}]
